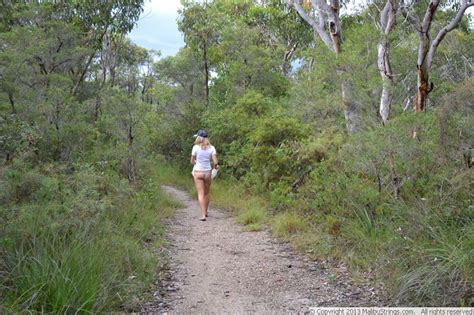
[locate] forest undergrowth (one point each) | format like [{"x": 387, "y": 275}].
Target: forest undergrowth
[{"x": 78, "y": 242}]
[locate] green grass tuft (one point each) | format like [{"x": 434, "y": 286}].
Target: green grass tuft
[
  {"x": 287, "y": 224},
  {"x": 254, "y": 227},
  {"x": 251, "y": 216}
]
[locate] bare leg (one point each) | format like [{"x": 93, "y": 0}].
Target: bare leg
[
  {"x": 200, "y": 187},
  {"x": 207, "y": 189}
]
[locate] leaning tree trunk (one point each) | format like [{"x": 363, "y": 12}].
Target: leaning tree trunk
[
  {"x": 351, "y": 113},
  {"x": 423, "y": 64},
  {"x": 427, "y": 48}
]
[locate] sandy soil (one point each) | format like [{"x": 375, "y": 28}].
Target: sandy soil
[{"x": 216, "y": 267}]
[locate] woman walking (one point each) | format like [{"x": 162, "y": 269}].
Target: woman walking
[{"x": 202, "y": 154}]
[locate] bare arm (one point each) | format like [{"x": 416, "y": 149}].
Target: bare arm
[
  {"x": 216, "y": 163},
  {"x": 193, "y": 159}
]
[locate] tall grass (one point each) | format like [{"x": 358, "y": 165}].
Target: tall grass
[
  {"x": 287, "y": 224},
  {"x": 166, "y": 173},
  {"x": 80, "y": 247},
  {"x": 441, "y": 264},
  {"x": 54, "y": 276}
]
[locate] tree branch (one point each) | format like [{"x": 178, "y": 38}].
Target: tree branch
[
  {"x": 429, "y": 15},
  {"x": 60, "y": 63},
  {"x": 316, "y": 26},
  {"x": 448, "y": 28},
  {"x": 384, "y": 16},
  {"x": 42, "y": 65},
  {"x": 411, "y": 19},
  {"x": 83, "y": 74}
]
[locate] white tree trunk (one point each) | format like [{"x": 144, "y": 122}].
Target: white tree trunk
[
  {"x": 387, "y": 23},
  {"x": 327, "y": 26},
  {"x": 387, "y": 80},
  {"x": 350, "y": 107},
  {"x": 386, "y": 99},
  {"x": 427, "y": 48}
]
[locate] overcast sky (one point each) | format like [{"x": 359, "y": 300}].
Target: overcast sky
[{"x": 157, "y": 28}]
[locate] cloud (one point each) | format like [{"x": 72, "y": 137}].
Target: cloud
[
  {"x": 164, "y": 6},
  {"x": 157, "y": 28}
]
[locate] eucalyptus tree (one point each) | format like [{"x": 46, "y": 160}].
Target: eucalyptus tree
[
  {"x": 36, "y": 63},
  {"x": 124, "y": 105},
  {"x": 386, "y": 25},
  {"x": 182, "y": 71},
  {"x": 429, "y": 40},
  {"x": 324, "y": 18},
  {"x": 98, "y": 19},
  {"x": 201, "y": 25},
  {"x": 248, "y": 61},
  {"x": 282, "y": 28},
  {"x": 242, "y": 44},
  {"x": 48, "y": 49}
]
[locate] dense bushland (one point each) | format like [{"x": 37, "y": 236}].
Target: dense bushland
[
  {"x": 379, "y": 199},
  {"x": 90, "y": 124},
  {"x": 75, "y": 242},
  {"x": 80, "y": 202},
  {"x": 393, "y": 197}
]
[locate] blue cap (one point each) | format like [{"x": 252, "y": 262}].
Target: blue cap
[{"x": 201, "y": 133}]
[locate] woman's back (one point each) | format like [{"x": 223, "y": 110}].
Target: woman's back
[{"x": 203, "y": 157}]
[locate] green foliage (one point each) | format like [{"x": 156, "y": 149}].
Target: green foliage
[
  {"x": 90, "y": 124},
  {"x": 285, "y": 24},
  {"x": 288, "y": 223},
  {"x": 71, "y": 124},
  {"x": 247, "y": 64},
  {"x": 314, "y": 97},
  {"x": 14, "y": 136},
  {"x": 367, "y": 198},
  {"x": 53, "y": 250},
  {"x": 446, "y": 273},
  {"x": 252, "y": 216},
  {"x": 182, "y": 69},
  {"x": 384, "y": 192},
  {"x": 376, "y": 199}
]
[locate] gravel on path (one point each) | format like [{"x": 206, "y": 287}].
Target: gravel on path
[{"x": 217, "y": 267}]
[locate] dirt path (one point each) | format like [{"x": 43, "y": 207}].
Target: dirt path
[{"x": 217, "y": 267}]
